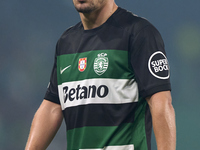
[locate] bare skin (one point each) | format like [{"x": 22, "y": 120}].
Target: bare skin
[
  {"x": 45, "y": 125},
  {"x": 163, "y": 118},
  {"x": 95, "y": 12}
]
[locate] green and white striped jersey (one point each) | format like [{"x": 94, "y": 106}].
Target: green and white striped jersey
[{"x": 101, "y": 78}]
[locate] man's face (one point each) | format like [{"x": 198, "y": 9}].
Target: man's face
[{"x": 87, "y": 6}]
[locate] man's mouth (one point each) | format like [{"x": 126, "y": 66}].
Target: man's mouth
[{"x": 81, "y": 1}]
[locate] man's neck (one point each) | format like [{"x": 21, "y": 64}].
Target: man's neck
[{"x": 97, "y": 18}]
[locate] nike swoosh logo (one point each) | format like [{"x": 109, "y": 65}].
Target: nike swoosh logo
[{"x": 61, "y": 71}]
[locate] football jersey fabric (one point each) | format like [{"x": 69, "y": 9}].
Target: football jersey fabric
[{"x": 101, "y": 78}]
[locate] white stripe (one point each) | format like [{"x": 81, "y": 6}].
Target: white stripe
[
  {"x": 123, "y": 147},
  {"x": 120, "y": 91}
]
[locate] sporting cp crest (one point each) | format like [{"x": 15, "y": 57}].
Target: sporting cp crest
[
  {"x": 101, "y": 63},
  {"x": 82, "y": 63}
]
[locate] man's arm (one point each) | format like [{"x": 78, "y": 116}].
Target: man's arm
[
  {"x": 163, "y": 118},
  {"x": 45, "y": 125}
]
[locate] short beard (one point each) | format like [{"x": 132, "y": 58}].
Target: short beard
[
  {"x": 84, "y": 10},
  {"x": 92, "y": 7},
  {"x": 88, "y": 9}
]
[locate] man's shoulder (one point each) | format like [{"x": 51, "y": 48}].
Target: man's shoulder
[
  {"x": 128, "y": 20},
  {"x": 76, "y": 28}
]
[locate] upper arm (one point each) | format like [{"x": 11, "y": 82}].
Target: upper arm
[
  {"x": 160, "y": 102},
  {"x": 50, "y": 111},
  {"x": 163, "y": 119},
  {"x": 51, "y": 107},
  {"x": 48, "y": 117},
  {"x": 46, "y": 123}
]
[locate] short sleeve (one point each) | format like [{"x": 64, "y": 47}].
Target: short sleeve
[
  {"x": 149, "y": 61},
  {"x": 52, "y": 89}
]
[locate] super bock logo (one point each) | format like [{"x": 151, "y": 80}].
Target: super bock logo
[{"x": 101, "y": 63}]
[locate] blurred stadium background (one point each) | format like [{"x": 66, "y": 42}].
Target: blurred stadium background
[{"x": 29, "y": 31}]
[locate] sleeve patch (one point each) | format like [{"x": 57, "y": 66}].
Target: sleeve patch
[{"x": 158, "y": 65}]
